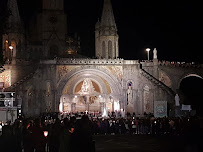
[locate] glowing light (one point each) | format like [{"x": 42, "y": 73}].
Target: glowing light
[
  {"x": 116, "y": 106},
  {"x": 148, "y": 49},
  {"x": 6, "y": 78},
  {"x": 45, "y": 133},
  {"x": 10, "y": 47},
  {"x": 104, "y": 113},
  {"x": 61, "y": 107}
]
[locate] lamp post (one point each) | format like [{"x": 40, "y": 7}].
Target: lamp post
[
  {"x": 11, "y": 48},
  {"x": 148, "y": 49}
]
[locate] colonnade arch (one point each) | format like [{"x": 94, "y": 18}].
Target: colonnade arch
[{"x": 190, "y": 92}]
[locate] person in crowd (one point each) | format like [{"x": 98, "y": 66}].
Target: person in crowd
[
  {"x": 39, "y": 140},
  {"x": 81, "y": 139},
  {"x": 7, "y": 140},
  {"x": 54, "y": 137},
  {"x": 65, "y": 136},
  {"x": 27, "y": 136},
  {"x": 17, "y": 132}
]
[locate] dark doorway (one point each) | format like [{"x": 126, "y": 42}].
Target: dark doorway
[{"x": 192, "y": 90}]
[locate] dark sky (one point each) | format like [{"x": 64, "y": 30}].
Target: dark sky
[{"x": 172, "y": 26}]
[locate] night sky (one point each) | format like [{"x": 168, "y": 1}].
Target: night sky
[{"x": 172, "y": 26}]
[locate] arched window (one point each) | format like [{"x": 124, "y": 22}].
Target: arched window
[
  {"x": 30, "y": 95},
  {"x": 146, "y": 99},
  {"x": 48, "y": 95},
  {"x": 110, "y": 49},
  {"x": 103, "y": 50},
  {"x": 115, "y": 49},
  {"x": 53, "y": 52}
]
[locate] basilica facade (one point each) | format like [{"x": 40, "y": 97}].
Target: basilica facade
[{"x": 43, "y": 67}]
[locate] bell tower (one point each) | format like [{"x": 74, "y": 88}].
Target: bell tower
[
  {"x": 14, "y": 37},
  {"x": 106, "y": 37},
  {"x": 54, "y": 27}
]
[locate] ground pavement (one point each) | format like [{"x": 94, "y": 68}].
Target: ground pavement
[{"x": 142, "y": 143}]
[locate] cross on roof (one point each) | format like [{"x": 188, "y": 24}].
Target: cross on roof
[{"x": 69, "y": 40}]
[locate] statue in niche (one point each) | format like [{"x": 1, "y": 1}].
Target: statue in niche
[
  {"x": 146, "y": 99},
  {"x": 129, "y": 93},
  {"x": 48, "y": 95},
  {"x": 177, "y": 100}
]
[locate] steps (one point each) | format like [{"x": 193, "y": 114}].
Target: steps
[{"x": 157, "y": 82}]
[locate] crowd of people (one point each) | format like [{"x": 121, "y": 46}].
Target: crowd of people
[{"x": 75, "y": 133}]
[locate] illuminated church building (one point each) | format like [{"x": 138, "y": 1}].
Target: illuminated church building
[{"x": 48, "y": 74}]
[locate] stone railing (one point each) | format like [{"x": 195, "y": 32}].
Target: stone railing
[
  {"x": 180, "y": 64},
  {"x": 13, "y": 86}
]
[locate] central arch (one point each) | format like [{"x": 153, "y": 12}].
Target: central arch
[{"x": 105, "y": 92}]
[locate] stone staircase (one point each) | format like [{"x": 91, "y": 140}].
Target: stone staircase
[
  {"x": 157, "y": 82},
  {"x": 1, "y": 68},
  {"x": 13, "y": 86}
]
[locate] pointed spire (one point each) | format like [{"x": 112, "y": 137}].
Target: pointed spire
[
  {"x": 14, "y": 21},
  {"x": 107, "y": 19}
]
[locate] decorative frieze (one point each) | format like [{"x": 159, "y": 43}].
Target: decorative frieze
[{"x": 88, "y": 61}]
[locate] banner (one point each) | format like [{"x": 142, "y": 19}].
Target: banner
[
  {"x": 186, "y": 107},
  {"x": 160, "y": 108}
]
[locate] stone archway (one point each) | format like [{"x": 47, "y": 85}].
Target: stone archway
[
  {"x": 101, "y": 94},
  {"x": 190, "y": 90}
]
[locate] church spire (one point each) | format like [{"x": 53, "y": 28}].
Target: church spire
[
  {"x": 107, "y": 19},
  {"x": 14, "y": 21},
  {"x": 106, "y": 37}
]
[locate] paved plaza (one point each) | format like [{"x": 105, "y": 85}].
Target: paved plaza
[{"x": 142, "y": 143}]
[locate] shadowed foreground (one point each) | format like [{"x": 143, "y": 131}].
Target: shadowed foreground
[{"x": 144, "y": 143}]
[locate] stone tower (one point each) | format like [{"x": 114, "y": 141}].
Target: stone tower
[
  {"x": 106, "y": 37},
  {"x": 13, "y": 38},
  {"x": 54, "y": 27}
]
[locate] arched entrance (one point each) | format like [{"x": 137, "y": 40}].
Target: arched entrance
[
  {"x": 191, "y": 92},
  {"x": 90, "y": 90}
]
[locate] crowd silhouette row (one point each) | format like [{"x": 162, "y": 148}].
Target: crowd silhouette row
[{"x": 74, "y": 134}]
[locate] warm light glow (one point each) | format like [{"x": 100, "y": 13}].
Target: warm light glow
[
  {"x": 104, "y": 113},
  {"x": 116, "y": 106},
  {"x": 6, "y": 41},
  {"x": 61, "y": 107},
  {"x": 6, "y": 78},
  {"x": 148, "y": 49},
  {"x": 10, "y": 47},
  {"x": 45, "y": 133}
]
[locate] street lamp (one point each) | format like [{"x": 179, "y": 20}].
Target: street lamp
[
  {"x": 148, "y": 49},
  {"x": 11, "y": 54},
  {"x": 11, "y": 47}
]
